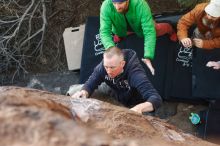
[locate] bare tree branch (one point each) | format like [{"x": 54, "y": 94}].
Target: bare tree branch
[{"x": 19, "y": 25}]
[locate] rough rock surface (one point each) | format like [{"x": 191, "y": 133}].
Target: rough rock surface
[{"x": 34, "y": 117}]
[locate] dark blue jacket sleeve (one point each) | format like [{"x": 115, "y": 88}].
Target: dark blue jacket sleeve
[
  {"x": 96, "y": 78},
  {"x": 138, "y": 79}
]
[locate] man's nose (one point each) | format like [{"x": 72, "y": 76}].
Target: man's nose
[
  {"x": 109, "y": 70},
  {"x": 117, "y": 6},
  {"x": 209, "y": 17}
]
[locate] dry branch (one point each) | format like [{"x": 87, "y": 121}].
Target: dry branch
[{"x": 22, "y": 31}]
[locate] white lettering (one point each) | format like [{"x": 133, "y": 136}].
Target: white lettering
[
  {"x": 98, "y": 46},
  {"x": 185, "y": 56},
  {"x": 120, "y": 84}
]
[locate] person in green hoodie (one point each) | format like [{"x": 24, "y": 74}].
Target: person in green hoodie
[{"x": 123, "y": 17}]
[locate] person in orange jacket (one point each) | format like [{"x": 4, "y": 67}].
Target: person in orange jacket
[{"x": 206, "y": 35}]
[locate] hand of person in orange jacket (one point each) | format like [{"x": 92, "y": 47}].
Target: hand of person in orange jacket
[
  {"x": 198, "y": 42},
  {"x": 213, "y": 64},
  {"x": 186, "y": 42}
]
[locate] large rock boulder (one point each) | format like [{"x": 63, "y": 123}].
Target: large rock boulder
[{"x": 39, "y": 118}]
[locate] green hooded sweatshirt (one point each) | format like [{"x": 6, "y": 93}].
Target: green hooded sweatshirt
[{"x": 140, "y": 19}]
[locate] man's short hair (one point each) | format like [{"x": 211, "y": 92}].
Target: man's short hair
[{"x": 110, "y": 52}]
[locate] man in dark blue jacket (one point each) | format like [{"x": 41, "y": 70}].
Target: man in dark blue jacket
[{"x": 123, "y": 73}]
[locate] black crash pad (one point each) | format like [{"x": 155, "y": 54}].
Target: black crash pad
[
  {"x": 93, "y": 50},
  {"x": 177, "y": 76}
]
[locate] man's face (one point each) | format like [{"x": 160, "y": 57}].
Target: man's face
[
  {"x": 211, "y": 18},
  {"x": 121, "y": 7},
  {"x": 113, "y": 66}
]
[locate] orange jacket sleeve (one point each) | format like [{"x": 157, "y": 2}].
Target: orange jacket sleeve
[
  {"x": 187, "y": 20},
  {"x": 211, "y": 44}
]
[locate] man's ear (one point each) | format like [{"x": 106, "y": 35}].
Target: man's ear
[{"x": 123, "y": 63}]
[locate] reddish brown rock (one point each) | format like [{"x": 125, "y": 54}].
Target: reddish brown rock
[{"x": 39, "y": 118}]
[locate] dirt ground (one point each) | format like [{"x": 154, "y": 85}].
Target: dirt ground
[{"x": 160, "y": 6}]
